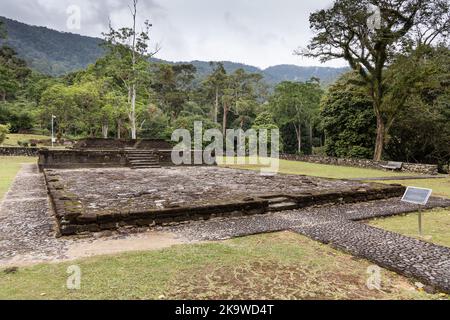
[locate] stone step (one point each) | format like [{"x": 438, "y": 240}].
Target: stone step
[
  {"x": 145, "y": 167},
  {"x": 142, "y": 160},
  {"x": 141, "y": 155},
  {"x": 278, "y": 200},
  {"x": 281, "y": 206}
]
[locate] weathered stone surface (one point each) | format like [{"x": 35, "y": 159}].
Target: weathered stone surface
[{"x": 173, "y": 195}]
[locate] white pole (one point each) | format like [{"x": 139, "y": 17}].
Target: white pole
[{"x": 53, "y": 118}]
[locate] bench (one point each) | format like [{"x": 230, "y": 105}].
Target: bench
[{"x": 396, "y": 166}]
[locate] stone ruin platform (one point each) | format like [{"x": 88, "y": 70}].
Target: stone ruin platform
[{"x": 92, "y": 200}]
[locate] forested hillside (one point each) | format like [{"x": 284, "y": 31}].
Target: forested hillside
[
  {"x": 57, "y": 53},
  {"x": 49, "y": 51}
]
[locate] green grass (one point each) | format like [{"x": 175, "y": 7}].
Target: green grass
[
  {"x": 436, "y": 226},
  {"x": 9, "y": 166},
  {"x": 13, "y": 139},
  {"x": 321, "y": 170},
  {"x": 441, "y": 187},
  {"x": 271, "y": 266}
]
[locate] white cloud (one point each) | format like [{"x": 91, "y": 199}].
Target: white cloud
[{"x": 256, "y": 32}]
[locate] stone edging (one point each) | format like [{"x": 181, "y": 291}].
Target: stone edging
[
  {"x": 362, "y": 163},
  {"x": 19, "y": 151},
  {"x": 72, "y": 218}
]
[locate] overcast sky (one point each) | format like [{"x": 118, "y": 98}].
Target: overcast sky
[{"x": 257, "y": 32}]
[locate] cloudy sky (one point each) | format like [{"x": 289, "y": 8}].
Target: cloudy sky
[{"x": 257, "y": 32}]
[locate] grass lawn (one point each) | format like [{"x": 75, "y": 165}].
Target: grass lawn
[
  {"x": 321, "y": 170},
  {"x": 436, "y": 226},
  {"x": 9, "y": 166},
  {"x": 271, "y": 266},
  {"x": 441, "y": 187},
  {"x": 13, "y": 139}
]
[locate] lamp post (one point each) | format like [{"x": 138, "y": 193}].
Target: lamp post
[{"x": 53, "y": 133}]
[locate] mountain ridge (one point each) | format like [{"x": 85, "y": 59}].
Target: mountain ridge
[{"x": 57, "y": 53}]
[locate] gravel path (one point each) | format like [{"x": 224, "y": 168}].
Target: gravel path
[
  {"x": 27, "y": 232},
  {"x": 338, "y": 226},
  {"x": 26, "y": 226},
  {"x": 27, "y": 229}
]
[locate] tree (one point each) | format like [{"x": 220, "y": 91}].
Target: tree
[
  {"x": 129, "y": 54},
  {"x": 265, "y": 121},
  {"x": 347, "y": 118},
  {"x": 296, "y": 104},
  {"x": 342, "y": 32},
  {"x": 13, "y": 73},
  {"x": 214, "y": 85},
  {"x": 4, "y": 130},
  {"x": 421, "y": 133},
  {"x": 172, "y": 86},
  {"x": 60, "y": 100}
]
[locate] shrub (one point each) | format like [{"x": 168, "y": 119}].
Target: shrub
[{"x": 4, "y": 130}]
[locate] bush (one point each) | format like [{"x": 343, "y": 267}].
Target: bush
[
  {"x": 4, "y": 130},
  {"x": 23, "y": 143}
]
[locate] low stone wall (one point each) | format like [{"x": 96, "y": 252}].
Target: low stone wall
[
  {"x": 63, "y": 159},
  {"x": 74, "y": 159},
  {"x": 19, "y": 151},
  {"x": 114, "y": 144},
  {"x": 363, "y": 163}
]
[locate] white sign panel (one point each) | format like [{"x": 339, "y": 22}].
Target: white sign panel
[{"x": 417, "y": 195}]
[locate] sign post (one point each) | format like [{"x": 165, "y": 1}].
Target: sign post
[{"x": 418, "y": 196}]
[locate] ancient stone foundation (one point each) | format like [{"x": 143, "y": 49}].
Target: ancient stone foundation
[{"x": 76, "y": 214}]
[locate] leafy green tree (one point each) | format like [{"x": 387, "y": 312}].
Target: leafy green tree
[
  {"x": 59, "y": 100},
  {"x": 421, "y": 132},
  {"x": 342, "y": 31},
  {"x": 265, "y": 121},
  {"x": 13, "y": 73},
  {"x": 214, "y": 86},
  {"x": 156, "y": 124},
  {"x": 128, "y": 54},
  {"x": 172, "y": 86},
  {"x": 4, "y": 130},
  {"x": 296, "y": 104},
  {"x": 347, "y": 119}
]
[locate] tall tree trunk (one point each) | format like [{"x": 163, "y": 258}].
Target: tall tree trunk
[
  {"x": 381, "y": 134},
  {"x": 225, "y": 119},
  {"x": 133, "y": 86},
  {"x": 311, "y": 135},
  {"x": 216, "y": 106},
  {"x": 133, "y": 113},
  {"x": 119, "y": 128},
  {"x": 377, "y": 96},
  {"x": 298, "y": 133}
]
